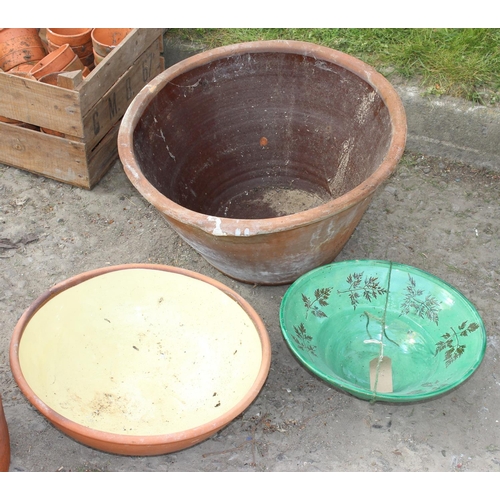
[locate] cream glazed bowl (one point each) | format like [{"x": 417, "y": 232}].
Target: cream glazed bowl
[{"x": 140, "y": 359}]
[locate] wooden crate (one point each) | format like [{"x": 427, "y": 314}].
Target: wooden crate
[{"x": 88, "y": 112}]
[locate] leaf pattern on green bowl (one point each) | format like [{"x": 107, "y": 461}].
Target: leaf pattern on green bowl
[
  {"x": 303, "y": 340},
  {"x": 414, "y": 301},
  {"x": 452, "y": 342},
  {"x": 402, "y": 312},
  {"x": 369, "y": 289}
]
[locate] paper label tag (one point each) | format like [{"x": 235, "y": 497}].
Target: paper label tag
[{"x": 384, "y": 382}]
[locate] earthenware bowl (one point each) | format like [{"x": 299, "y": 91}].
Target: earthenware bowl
[
  {"x": 382, "y": 330},
  {"x": 140, "y": 359},
  {"x": 4, "y": 441},
  {"x": 264, "y": 156}
]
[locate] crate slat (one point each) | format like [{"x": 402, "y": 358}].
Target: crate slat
[
  {"x": 112, "y": 106},
  {"x": 105, "y": 74},
  {"x": 45, "y": 154},
  {"x": 40, "y": 104}
]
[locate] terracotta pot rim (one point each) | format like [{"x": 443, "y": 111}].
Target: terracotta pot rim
[
  {"x": 163, "y": 443},
  {"x": 80, "y": 35},
  {"x": 101, "y": 47},
  {"x": 19, "y": 67},
  {"x": 78, "y": 31},
  {"x": 65, "y": 52},
  {"x": 49, "y": 131},
  {"x": 3, "y": 31},
  {"x": 208, "y": 223},
  {"x": 48, "y": 76},
  {"x": 81, "y": 50}
]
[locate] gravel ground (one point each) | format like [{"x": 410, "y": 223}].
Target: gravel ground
[{"x": 434, "y": 214}]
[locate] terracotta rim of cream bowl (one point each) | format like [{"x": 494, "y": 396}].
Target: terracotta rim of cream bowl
[{"x": 127, "y": 444}]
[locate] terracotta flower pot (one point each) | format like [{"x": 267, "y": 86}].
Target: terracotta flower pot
[
  {"x": 23, "y": 70},
  {"x": 87, "y": 59},
  {"x": 264, "y": 156},
  {"x": 75, "y": 65},
  {"x": 4, "y": 119},
  {"x": 55, "y": 61},
  {"x": 18, "y": 46},
  {"x": 97, "y": 58},
  {"x": 104, "y": 40},
  {"x": 72, "y": 36},
  {"x": 79, "y": 39},
  {"x": 80, "y": 50},
  {"x": 4, "y": 441}
]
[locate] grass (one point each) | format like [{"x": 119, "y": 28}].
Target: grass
[{"x": 459, "y": 62}]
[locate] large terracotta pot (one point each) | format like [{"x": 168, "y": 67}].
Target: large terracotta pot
[
  {"x": 4, "y": 441},
  {"x": 264, "y": 156}
]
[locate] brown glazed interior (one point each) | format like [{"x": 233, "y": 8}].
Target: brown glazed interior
[
  {"x": 263, "y": 156},
  {"x": 217, "y": 137}
]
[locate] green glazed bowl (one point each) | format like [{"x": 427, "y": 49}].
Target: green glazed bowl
[{"x": 382, "y": 331}]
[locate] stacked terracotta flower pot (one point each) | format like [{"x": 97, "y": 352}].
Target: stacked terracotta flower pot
[
  {"x": 20, "y": 50},
  {"x": 43, "y": 54},
  {"x": 23, "y": 48},
  {"x": 60, "y": 60},
  {"x": 20, "y": 47},
  {"x": 79, "y": 39},
  {"x": 104, "y": 40}
]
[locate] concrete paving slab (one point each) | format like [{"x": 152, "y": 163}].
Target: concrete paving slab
[{"x": 452, "y": 128}]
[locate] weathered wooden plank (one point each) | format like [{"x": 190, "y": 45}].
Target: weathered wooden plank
[
  {"x": 103, "y": 156},
  {"x": 40, "y": 104},
  {"x": 70, "y": 80},
  {"x": 45, "y": 154},
  {"x": 112, "y": 106},
  {"x": 105, "y": 74}
]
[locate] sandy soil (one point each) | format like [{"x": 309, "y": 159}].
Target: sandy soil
[{"x": 432, "y": 214}]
